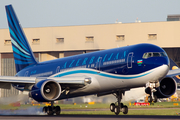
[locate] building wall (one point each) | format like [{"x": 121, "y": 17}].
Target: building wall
[
  {"x": 75, "y": 38},
  {"x": 104, "y": 36},
  {"x": 8, "y": 69},
  {"x": 57, "y": 42}
]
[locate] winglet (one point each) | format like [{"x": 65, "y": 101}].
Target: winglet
[{"x": 23, "y": 55}]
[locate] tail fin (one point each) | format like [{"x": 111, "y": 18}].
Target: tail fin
[{"x": 23, "y": 55}]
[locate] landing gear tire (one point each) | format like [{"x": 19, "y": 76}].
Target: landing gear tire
[
  {"x": 150, "y": 99},
  {"x": 122, "y": 105},
  {"x": 49, "y": 110},
  {"x": 116, "y": 110},
  {"x": 44, "y": 109},
  {"x": 112, "y": 107},
  {"x": 118, "y": 106},
  {"x": 125, "y": 109},
  {"x": 57, "y": 110},
  {"x": 155, "y": 99}
]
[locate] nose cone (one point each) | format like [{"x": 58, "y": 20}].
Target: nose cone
[
  {"x": 160, "y": 72},
  {"x": 162, "y": 61},
  {"x": 156, "y": 61}
]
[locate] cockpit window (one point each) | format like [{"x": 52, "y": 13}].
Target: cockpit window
[
  {"x": 147, "y": 55},
  {"x": 150, "y": 54},
  {"x": 154, "y": 54},
  {"x": 163, "y": 54}
]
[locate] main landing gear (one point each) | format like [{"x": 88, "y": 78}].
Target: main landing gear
[
  {"x": 50, "y": 110},
  {"x": 118, "y": 107}
]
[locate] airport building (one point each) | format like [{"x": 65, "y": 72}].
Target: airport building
[{"x": 56, "y": 42}]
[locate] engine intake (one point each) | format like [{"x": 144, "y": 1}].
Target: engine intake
[
  {"x": 167, "y": 88},
  {"x": 46, "y": 90}
]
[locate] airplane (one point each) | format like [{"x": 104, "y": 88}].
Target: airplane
[{"x": 113, "y": 71}]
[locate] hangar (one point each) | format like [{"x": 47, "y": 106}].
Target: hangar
[{"x": 56, "y": 42}]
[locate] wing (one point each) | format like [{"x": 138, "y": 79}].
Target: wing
[
  {"x": 174, "y": 69},
  {"x": 6, "y": 81},
  {"x": 172, "y": 73}
]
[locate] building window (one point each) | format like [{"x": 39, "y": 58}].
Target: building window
[
  {"x": 152, "y": 36},
  {"x": 90, "y": 38},
  {"x": 36, "y": 41},
  {"x": 7, "y": 42},
  {"x": 120, "y": 37},
  {"x": 59, "y": 40}
]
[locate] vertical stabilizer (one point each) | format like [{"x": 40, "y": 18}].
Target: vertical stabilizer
[{"x": 23, "y": 55}]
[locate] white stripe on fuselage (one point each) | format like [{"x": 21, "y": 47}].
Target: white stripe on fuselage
[{"x": 102, "y": 82}]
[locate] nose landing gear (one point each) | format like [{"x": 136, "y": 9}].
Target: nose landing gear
[
  {"x": 150, "y": 89},
  {"x": 118, "y": 107}
]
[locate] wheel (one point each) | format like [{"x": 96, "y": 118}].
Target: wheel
[
  {"x": 49, "y": 110},
  {"x": 116, "y": 110},
  {"x": 122, "y": 105},
  {"x": 155, "y": 99},
  {"x": 45, "y": 109},
  {"x": 57, "y": 110},
  {"x": 125, "y": 109},
  {"x": 112, "y": 106},
  {"x": 150, "y": 99}
]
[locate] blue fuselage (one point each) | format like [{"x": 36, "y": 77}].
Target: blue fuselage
[
  {"x": 118, "y": 68},
  {"x": 126, "y": 60}
]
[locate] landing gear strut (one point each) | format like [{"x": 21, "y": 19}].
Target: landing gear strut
[
  {"x": 150, "y": 89},
  {"x": 50, "y": 110},
  {"x": 118, "y": 107}
]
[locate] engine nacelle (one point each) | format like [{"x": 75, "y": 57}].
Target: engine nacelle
[
  {"x": 45, "y": 91},
  {"x": 167, "y": 88}
]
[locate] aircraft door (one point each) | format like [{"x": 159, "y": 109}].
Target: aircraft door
[
  {"x": 130, "y": 60},
  {"x": 58, "y": 69},
  {"x": 98, "y": 64}
]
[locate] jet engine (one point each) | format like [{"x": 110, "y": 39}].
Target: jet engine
[
  {"x": 166, "y": 88},
  {"x": 45, "y": 91}
]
